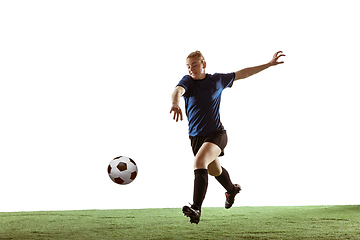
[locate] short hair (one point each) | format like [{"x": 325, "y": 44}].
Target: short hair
[{"x": 197, "y": 54}]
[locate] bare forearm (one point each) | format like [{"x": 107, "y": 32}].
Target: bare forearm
[
  {"x": 247, "y": 72},
  {"x": 176, "y": 96}
]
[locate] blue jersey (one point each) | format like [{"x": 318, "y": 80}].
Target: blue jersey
[{"x": 202, "y": 102}]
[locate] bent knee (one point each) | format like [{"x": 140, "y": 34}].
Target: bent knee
[{"x": 200, "y": 163}]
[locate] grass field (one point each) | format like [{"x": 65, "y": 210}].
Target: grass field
[{"x": 304, "y": 222}]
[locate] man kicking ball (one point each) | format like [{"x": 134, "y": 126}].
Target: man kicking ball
[{"x": 202, "y": 95}]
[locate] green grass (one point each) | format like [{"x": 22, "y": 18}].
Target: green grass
[{"x": 305, "y": 222}]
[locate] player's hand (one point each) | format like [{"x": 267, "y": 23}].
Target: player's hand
[
  {"x": 177, "y": 112},
  {"x": 276, "y": 57}
]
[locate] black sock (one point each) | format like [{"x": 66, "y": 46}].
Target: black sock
[
  {"x": 200, "y": 187},
  {"x": 225, "y": 181}
]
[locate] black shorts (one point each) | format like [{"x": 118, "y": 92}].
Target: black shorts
[{"x": 219, "y": 138}]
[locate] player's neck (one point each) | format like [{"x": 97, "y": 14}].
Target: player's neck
[{"x": 201, "y": 77}]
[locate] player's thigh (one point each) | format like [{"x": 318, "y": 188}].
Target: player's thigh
[
  {"x": 206, "y": 154},
  {"x": 214, "y": 168}
]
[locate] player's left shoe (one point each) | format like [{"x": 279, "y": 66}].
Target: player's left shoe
[
  {"x": 230, "y": 197},
  {"x": 192, "y": 213}
]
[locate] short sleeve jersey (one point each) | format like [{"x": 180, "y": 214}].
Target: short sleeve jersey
[{"x": 202, "y": 102}]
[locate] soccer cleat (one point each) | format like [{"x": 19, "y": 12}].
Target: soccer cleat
[
  {"x": 230, "y": 197},
  {"x": 192, "y": 213}
]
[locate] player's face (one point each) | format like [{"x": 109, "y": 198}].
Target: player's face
[{"x": 196, "y": 68}]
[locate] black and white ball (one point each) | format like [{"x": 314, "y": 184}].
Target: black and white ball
[{"x": 122, "y": 170}]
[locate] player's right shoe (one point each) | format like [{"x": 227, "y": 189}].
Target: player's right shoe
[
  {"x": 230, "y": 197},
  {"x": 192, "y": 213}
]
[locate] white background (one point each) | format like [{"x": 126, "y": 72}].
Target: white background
[{"x": 83, "y": 82}]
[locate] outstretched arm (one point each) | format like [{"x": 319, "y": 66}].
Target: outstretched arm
[
  {"x": 247, "y": 72},
  {"x": 175, "y": 99}
]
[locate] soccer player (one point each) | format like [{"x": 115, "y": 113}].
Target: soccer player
[{"x": 202, "y": 95}]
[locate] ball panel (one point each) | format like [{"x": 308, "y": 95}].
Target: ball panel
[
  {"x": 133, "y": 175},
  {"x": 122, "y": 166},
  {"x": 118, "y": 180}
]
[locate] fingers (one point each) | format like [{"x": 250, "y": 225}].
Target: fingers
[
  {"x": 177, "y": 114},
  {"x": 276, "y": 57},
  {"x": 276, "y": 54},
  {"x": 172, "y": 110},
  {"x": 181, "y": 117}
]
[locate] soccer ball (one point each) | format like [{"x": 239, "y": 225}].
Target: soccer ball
[{"x": 122, "y": 170}]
